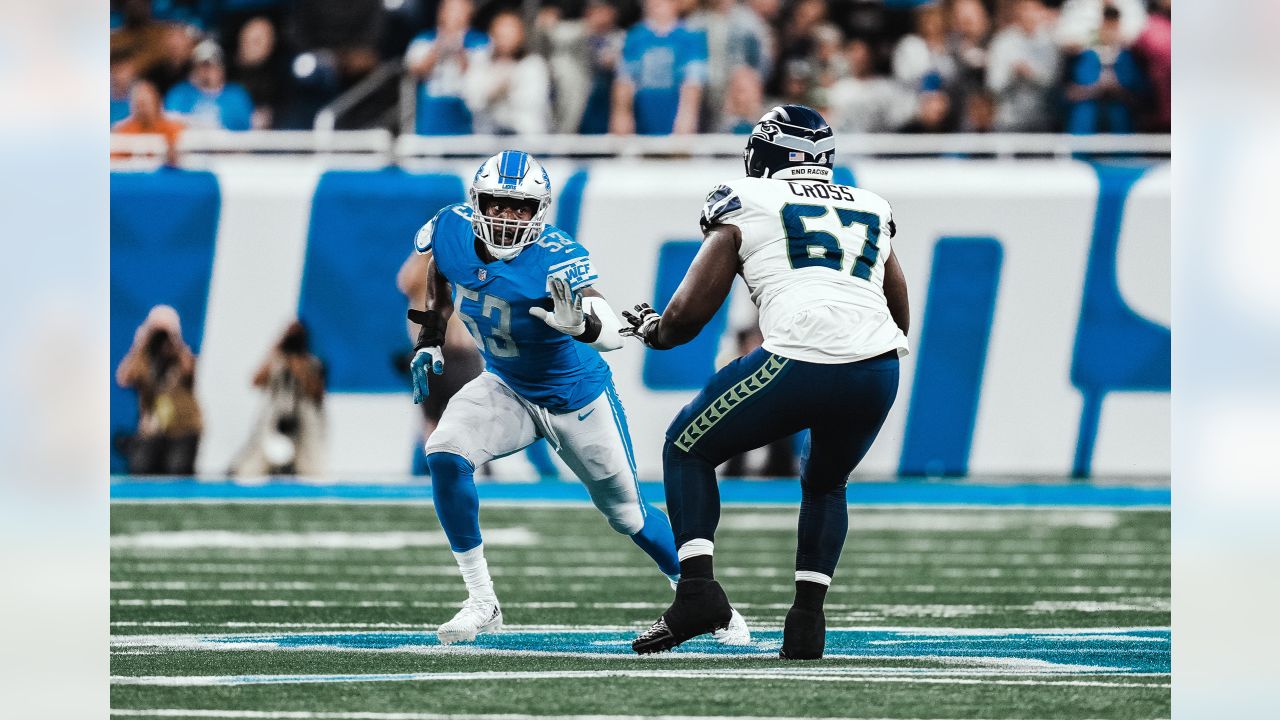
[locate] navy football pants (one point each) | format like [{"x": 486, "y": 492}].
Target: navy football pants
[{"x": 759, "y": 398}]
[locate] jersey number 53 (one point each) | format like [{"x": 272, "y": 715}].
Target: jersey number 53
[
  {"x": 819, "y": 248},
  {"x": 497, "y": 313}
]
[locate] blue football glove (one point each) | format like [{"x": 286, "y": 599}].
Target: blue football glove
[{"x": 426, "y": 358}]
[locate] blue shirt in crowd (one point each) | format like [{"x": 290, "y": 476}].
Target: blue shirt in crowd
[
  {"x": 658, "y": 65},
  {"x": 230, "y": 108},
  {"x": 441, "y": 109}
]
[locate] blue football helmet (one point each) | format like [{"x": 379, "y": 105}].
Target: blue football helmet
[
  {"x": 510, "y": 174},
  {"x": 791, "y": 142}
]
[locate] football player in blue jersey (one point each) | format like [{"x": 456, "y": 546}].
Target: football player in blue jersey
[{"x": 525, "y": 291}]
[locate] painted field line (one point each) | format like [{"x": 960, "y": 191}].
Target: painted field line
[
  {"x": 514, "y": 629},
  {"x": 832, "y": 675},
  {"x": 731, "y": 492},
  {"x": 233, "y": 540},
  {"x": 322, "y": 715},
  {"x": 1150, "y": 604}
]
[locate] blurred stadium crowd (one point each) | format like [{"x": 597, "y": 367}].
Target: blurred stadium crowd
[{"x": 650, "y": 67}]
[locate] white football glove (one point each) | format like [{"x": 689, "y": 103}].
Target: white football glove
[{"x": 566, "y": 315}]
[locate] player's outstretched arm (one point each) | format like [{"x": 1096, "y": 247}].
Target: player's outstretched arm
[
  {"x": 583, "y": 316},
  {"x": 700, "y": 295},
  {"x": 428, "y": 355},
  {"x": 895, "y": 293}
]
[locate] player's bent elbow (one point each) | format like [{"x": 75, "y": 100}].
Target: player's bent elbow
[{"x": 608, "y": 338}]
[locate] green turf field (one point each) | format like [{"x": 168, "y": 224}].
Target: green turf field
[{"x": 325, "y": 610}]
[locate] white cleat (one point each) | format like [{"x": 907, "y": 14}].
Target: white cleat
[
  {"x": 736, "y": 634},
  {"x": 478, "y": 615}
]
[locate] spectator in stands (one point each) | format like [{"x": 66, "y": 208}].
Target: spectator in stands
[
  {"x": 1022, "y": 70},
  {"x": 970, "y": 36},
  {"x": 979, "y": 113},
  {"x": 604, "y": 43},
  {"x": 124, "y": 72},
  {"x": 658, "y": 89},
  {"x": 439, "y": 59},
  {"x": 350, "y": 29},
  {"x": 796, "y": 40},
  {"x": 736, "y": 36},
  {"x": 158, "y": 49},
  {"x": 288, "y": 437},
  {"x": 507, "y": 89},
  {"x": 582, "y": 56},
  {"x": 261, "y": 69},
  {"x": 863, "y": 101},
  {"x": 207, "y": 100},
  {"x": 743, "y": 101},
  {"x": 925, "y": 52},
  {"x": 161, "y": 368},
  {"x": 933, "y": 113},
  {"x": 829, "y": 58},
  {"x": 180, "y": 42},
  {"x": 1106, "y": 81},
  {"x": 796, "y": 86},
  {"x": 1154, "y": 46},
  {"x": 1079, "y": 20},
  {"x": 147, "y": 118}
]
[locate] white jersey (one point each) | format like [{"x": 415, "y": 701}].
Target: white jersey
[{"x": 813, "y": 256}]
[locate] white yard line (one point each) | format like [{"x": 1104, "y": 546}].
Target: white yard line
[
  {"x": 729, "y": 507},
  {"x": 933, "y": 677},
  {"x": 322, "y": 715},
  {"x": 234, "y": 540},
  {"x": 512, "y": 629},
  {"x": 1133, "y": 604}
]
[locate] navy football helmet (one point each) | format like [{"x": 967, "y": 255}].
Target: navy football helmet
[{"x": 792, "y": 142}]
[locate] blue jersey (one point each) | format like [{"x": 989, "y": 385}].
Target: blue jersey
[
  {"x": 658, "y": 65},
  {"x": 230, "y": 108},
  {"x": 545, "y": 366}
]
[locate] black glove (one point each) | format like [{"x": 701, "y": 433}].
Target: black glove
[{"x": 643, "y": 324}]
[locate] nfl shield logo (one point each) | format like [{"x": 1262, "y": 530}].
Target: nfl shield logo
[
  {"x": 481, "y": 274},
  {"x": 795, "y": 156}
]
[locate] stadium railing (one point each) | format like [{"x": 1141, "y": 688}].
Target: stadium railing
[{"x": 381, "y": 147}]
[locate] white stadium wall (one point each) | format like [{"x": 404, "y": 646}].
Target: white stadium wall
[{"x": 1047, "y": 352}]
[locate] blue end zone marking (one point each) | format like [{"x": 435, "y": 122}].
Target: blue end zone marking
[
  {"x": 569, "y": 204},
  {"x": 164, "y": 228},
  {"x": 1070, "y": 651},
  {"x": 1116, "y": 349},
  {"x": 731, "y": 492},
  {"x": 953, "y": 354}
]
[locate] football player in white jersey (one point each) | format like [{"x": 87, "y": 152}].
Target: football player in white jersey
[{"x": 817, "y": 259}]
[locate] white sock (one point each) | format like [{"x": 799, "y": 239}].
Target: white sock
[
  {"x": 475, "y": 573},
  {"x": 813, "y": 577},
  {"x": 695, "y": 547}
]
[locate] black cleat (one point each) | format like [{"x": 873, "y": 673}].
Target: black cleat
[
  {"x": 804, "y": 635},
  {"x": 700, "y": 607}
]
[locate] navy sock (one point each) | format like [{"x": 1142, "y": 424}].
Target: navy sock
[
  {"x": 453, "y": 492},
  {"x": 810, "y": 595},
  {"x": 698, "y": 566}
]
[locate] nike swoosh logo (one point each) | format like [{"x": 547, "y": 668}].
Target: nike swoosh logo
[{"x": 584, "y": 416}]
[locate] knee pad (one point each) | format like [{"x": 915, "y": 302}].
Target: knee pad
[
  {"x": 447, "y": 467},
  {"x": 625, "y": 518}
]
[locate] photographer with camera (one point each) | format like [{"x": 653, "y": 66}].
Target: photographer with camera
[
  {"x": 288, "y": 437},
  {"x": 161, "y": 368}
]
